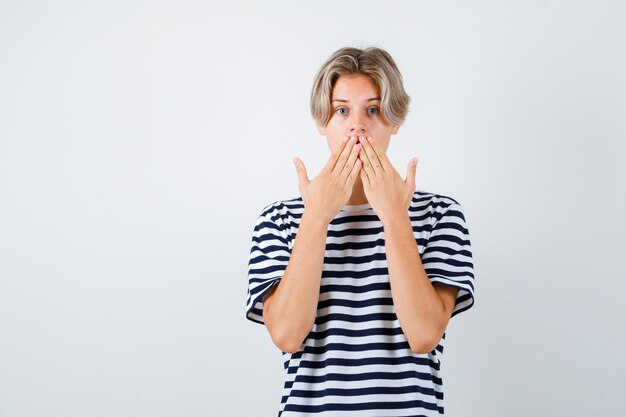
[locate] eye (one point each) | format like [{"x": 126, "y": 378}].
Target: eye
[
  {"x": 340, "y": 108},
  {"x": 375, "y": 110}
]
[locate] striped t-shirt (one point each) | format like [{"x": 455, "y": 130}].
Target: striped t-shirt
[{"x": 356, "y": 361}]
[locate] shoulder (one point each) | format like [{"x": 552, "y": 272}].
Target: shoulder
[
  {"x": 282, "y": 208},
  {"x": 435, "y": 210},
  {"x": 282, "y": 214},
  {"x": 433, "y": 202},
  {"x": 439, "y": 212}
]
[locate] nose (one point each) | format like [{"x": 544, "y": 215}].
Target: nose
[{"x": 357, "y": 125}]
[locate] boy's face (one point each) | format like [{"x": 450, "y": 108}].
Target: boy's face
[{"x": 355, "y": 105}]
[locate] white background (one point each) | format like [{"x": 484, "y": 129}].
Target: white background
[{"x": 139, "y": 141}]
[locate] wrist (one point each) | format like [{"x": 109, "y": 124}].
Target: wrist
[
  {"x": 314, "y": 220},
  {"x": 395, "y": 219}
]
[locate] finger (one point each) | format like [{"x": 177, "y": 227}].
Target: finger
[
  {"x": 303, "y": 178},
  {"x": 373, "y": 155},
  {"x": 354, "y": 173},
  {"x": 345, "y": 154},
  {"x": 410, "y": 173},
  {"x": 365, "y": 179},
  {"x": 332, "y": 159},
  {"x": 352, "y": 158},
  {"x": 367, "y": 165}
]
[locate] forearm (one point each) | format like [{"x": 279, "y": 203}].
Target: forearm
[
  {"x": 418, "y": 306},
  {"x": 291, "y": 313}
]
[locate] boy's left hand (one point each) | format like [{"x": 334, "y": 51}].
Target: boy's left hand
[{"x": 388, "y": 194}]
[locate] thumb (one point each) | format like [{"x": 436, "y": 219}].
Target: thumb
[
  {"x": 410, "y": 173},
  {"x": 301, "y": 169}
]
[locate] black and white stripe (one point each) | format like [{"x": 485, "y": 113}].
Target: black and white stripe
[{"x": 356, "y": 359}]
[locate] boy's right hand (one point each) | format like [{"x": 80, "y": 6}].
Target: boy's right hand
[{"x": 329, "y": 192}]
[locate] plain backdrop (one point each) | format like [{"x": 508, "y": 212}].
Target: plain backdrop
[{"x": 140, "y": 140}]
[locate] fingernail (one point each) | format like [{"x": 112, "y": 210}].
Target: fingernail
[{"x": 295, "y": 161}]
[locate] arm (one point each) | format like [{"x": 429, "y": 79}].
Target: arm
[
  {"x": 423, "y": 309},
  {"x": 290, "y": 307}
]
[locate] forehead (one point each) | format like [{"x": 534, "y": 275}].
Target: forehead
[{"x": 354, "y": 87}]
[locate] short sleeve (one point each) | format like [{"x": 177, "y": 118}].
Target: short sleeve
[
  {"x": 269, "y": 256},
  {"x": 447, "y": 258}
]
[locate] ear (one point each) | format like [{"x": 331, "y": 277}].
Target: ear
[
  {"x": 395, "y": 129},
  {"x": 321, "y": 129}
]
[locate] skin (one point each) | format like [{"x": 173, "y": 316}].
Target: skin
[
  {"x": 356, "y": 113},
  {"x": 358, "y": 171}
]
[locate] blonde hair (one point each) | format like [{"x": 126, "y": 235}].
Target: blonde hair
[{"x": 373, "y": 62}]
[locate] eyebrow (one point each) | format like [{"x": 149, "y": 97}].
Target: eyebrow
[{"x": 347, "y": 101}]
